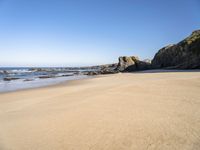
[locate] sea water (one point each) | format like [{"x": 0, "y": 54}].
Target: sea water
[{"x": 12, "y": 79}]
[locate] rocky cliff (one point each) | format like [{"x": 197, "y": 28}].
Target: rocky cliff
[{"x": 184, "y": 55}]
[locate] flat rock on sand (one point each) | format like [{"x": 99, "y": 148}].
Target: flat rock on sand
[{"x": 140, "y": 111}]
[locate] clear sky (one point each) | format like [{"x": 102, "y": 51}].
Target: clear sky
[{"x": 88, "y": 32}]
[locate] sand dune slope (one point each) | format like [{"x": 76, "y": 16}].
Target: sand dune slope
[{"x": 141, "y": 111}]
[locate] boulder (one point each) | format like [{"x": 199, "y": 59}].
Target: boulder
[
  {"x": 132, "y": 63},
  {"x": 127, "y": 63},
  {"x": 184, "y": 55}
]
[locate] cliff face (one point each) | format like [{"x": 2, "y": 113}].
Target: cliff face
[{"x": 184, "y": 55}]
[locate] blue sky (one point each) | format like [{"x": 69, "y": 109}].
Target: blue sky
[{"x": 89, "y": 32}]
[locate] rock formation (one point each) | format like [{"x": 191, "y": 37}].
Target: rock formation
[
  {"x": 103, "y": 69},
  {"x": 129, "y": 64},
  {"x": 184, "y": 55}
]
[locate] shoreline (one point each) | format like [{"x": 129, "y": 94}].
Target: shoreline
[
  {"x": 62, "y": 83},
  {"x": 47, "y": 84},
  {"x": 68, "y": 82}
]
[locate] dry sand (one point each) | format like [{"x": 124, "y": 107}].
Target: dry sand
[{"x": 140, "y": 111}]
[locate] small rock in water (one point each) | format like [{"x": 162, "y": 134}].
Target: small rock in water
[
  {"x": 45, "y": 77},
  {"x": 9, "y": 79},
  {"x": 67, "y": 75},
  {"x": 28, "y": 79}
]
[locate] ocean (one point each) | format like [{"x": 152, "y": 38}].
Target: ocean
[{"x": 12, "y": 78}]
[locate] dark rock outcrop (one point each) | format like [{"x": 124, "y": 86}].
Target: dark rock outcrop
[
  {"x": 103, "y": 69},
  {"x": 10, "y": 78},
  {"x": 125, "y": 64},
  {"x": 46, "y": 76},
  {"x": 129, "y": 64},
  {"x": 184, "y": 55},
  {"x": 108, "y": 69}
]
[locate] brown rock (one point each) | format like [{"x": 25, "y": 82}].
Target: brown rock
[{"x": 129, "y": 64}]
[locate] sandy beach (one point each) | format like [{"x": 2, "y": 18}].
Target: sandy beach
[{"x": 130, "y": 111}]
